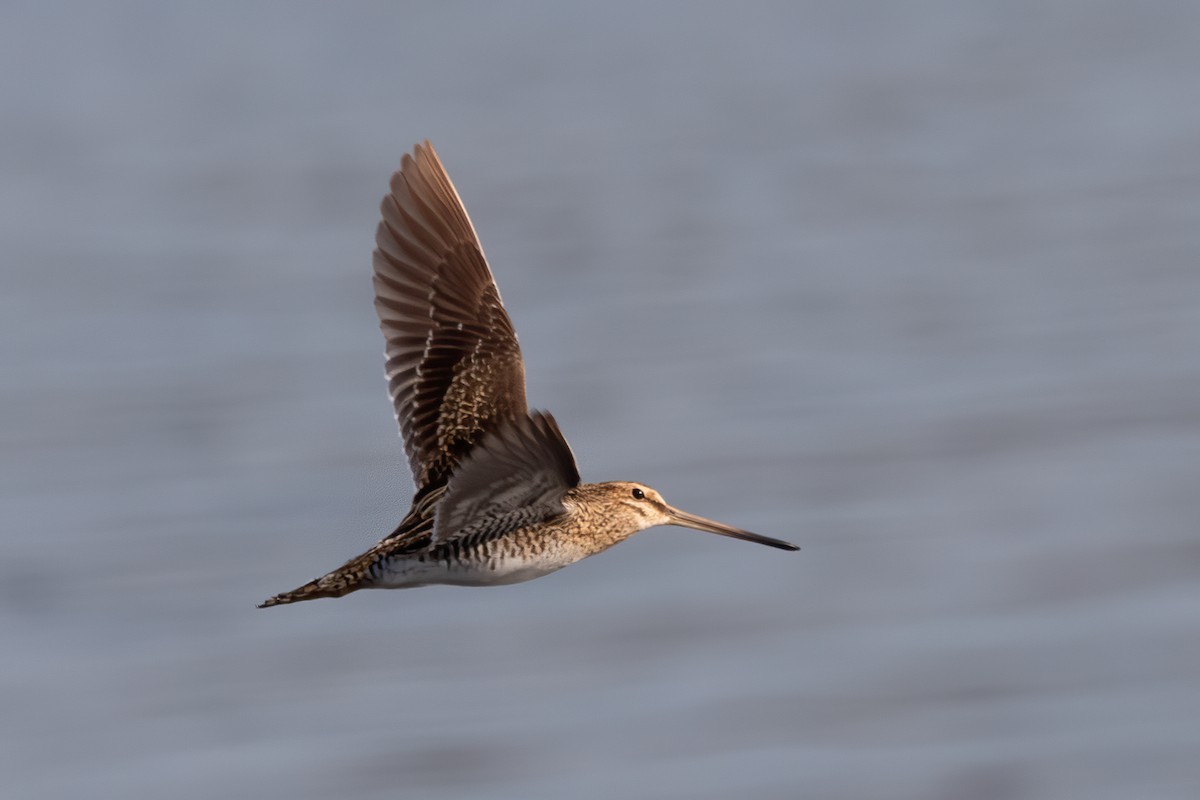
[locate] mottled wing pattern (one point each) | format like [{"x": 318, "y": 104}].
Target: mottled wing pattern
[
  {"x": 453, "y": 364},
  {"x": 515, "y": 476}
]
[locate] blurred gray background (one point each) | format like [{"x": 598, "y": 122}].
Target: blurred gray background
[{"x": 913, "y": 285}]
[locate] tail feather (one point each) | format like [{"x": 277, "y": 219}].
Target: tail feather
[
  {"x": 335, "y": 584},
  {"x": 309, "y": 591},
  {"x": 357, "y": 573}
]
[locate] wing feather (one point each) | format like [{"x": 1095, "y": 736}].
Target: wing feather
[
  {"x": 453, "y": 365},
  {"x": 515, "y": 476}
]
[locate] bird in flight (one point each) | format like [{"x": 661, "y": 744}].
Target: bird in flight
[{"x": 498, "y": 499}]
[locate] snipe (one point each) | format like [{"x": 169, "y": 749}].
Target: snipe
[{"x": 498, "y": 494}]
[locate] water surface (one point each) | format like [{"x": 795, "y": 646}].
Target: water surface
[{"x": 915, "y": 287}]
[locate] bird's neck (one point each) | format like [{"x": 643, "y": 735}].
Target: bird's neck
[{"x": 605, "y": 523}]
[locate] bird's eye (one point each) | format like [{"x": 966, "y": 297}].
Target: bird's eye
[{"x": 638, "y": 494}]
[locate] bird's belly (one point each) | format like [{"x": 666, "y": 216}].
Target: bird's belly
[{"x": 412, "y": 571}]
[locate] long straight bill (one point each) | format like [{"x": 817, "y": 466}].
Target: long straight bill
[{"x": 686, "y": 520}]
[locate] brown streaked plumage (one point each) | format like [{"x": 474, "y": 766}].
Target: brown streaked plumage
[{"x": 498, "y": 494}]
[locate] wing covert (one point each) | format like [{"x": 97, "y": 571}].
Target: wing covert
[{"x": 515, "y": 475}]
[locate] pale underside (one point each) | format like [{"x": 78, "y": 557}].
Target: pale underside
[{"x": 496, "y": 569}]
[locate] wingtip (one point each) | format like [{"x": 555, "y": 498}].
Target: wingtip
[{"x": 422, "y": 149}]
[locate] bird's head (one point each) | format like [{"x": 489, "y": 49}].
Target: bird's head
[{"x": 638, "y": 507}]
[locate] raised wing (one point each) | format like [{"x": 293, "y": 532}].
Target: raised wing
[
  {"x": 454, "y": 368},
  {"x": 516, "y": 475}
]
